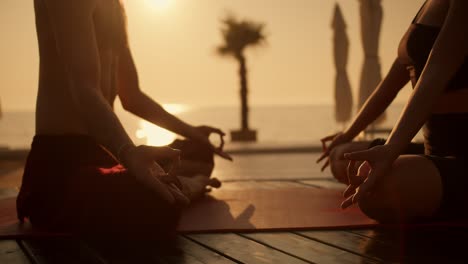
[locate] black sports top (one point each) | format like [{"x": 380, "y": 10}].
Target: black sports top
[{"x": 414, "y": 51}]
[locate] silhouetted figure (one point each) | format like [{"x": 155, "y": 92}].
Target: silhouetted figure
[
  {"x": 343, "y": 94},
  {"x": 393, "y": 180},
  {"x": 84, "y": 174},
  {"x": 371, "y": 14},
  {"x": 238, "y": 35}
]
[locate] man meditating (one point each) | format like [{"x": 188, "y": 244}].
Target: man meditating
[{"x": 83, "y": 173}]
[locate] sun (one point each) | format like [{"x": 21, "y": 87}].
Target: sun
[
  {"x": 157, "y": 136},
  {"x": 159, "y": 5}
]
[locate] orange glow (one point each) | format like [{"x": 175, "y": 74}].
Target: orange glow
[
  {"x": 157, "y": 136},
  {"x": 159, "y": 5}
]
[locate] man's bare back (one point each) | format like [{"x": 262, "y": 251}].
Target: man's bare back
[{"x": 56, "y": 113}]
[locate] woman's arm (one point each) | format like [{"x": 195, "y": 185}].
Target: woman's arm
[
  {"x": 380, "y": 99},
  {"x": 375, "y": 105},
  {"x": 75, "y": 39},
  {"x": 448, "y": 53}
]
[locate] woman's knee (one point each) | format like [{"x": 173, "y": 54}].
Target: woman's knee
[
  {"x": 339, "y": 165},
  {"x": 412, "y": 189}
]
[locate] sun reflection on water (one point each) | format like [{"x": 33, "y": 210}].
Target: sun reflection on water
[{"x": 157, "y": 136}]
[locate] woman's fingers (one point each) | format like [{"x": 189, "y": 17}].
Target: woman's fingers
[
  {"x": 326, "y": 149},
  {"x": 324, "y": 142},
  {"x": 366, "y": 186},
  {"x": 350, "y": 190},
  {"x": 324, "y": 146},
  {"x": 368, "y": 178},
  {"x": 347, "y": 203},
  {"x": 325, "y": 165},
  {"x": 357, "y": 174},
  {"x": 367, "y": 154},
  {"x": 351, "y": 172},
  {"x": 328, "y": 138},
  {"x": 324, "y": 155}
]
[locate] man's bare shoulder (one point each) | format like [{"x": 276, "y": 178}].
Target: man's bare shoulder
[{"x": 66, "y": 8}]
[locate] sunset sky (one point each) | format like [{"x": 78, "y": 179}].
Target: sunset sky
[{"x": 174, "y": 42}]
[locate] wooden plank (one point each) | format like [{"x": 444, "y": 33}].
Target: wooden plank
[
  {"x": 12, "y": 179},
  {"x": 184, "y": 251},
  {"x": 387, "y": 248},
  {"x": 8, "y": 193},
  {"x": 346, "y": 240},
  {"x": 11, "y": 253},
  {"x": 60, "y": 250},
  {"x": 270, "y": 167},
  {"x": 364, "y": 232},
  {"x": 306, "y": 249},
  {"x": 244, "y": 250},
  {"x": 326, "y": 184},
  {"x": 129, "y": 252},
  {"x": 193, "y": 253},
  {"x": 242, "y": 185},
  {"x": 418, "y": 245},
  {"x": 7, "y": 166}
]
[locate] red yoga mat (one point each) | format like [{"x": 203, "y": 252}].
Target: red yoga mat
[
  {"x": 244, "y": 210},
  {"x": 239, "y": 210}
]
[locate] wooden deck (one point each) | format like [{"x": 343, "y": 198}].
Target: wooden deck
[{"x": 424, "y": 245}]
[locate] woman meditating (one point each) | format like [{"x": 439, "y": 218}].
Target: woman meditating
[
  {"x": 393, "y": 180},
  {"x": 83, "y": 173}
]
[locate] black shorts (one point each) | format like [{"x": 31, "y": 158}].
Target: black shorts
[
  {"x": 454, "y": 175},
  {"x": 72, "y": 184}
]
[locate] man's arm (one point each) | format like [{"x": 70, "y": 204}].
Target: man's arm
[
  {"x": 138, "y": 103},
  {"x": 76, "y": 43}
]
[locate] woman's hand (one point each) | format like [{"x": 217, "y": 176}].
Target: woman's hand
[
  {"x": 336, "y": 139},
  {"x": 203, "y": 136},
  {"x": 376, "y": 163},
  {"x": 141, "y": 162}
]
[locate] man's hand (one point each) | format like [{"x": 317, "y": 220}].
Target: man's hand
[
  {"x": 141, "y": 162},
  {"x": 203, "y": 136}
]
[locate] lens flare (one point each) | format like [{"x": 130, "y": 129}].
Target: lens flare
[
  {"x": 157, "y": 136},
  {"x": 159, "y": 5}
]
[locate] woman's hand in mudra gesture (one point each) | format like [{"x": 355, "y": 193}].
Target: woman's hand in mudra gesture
[
  {"x": 376, "y": 163},
  {"x": 335, "y": 140},
  {"x": 141, "y": 162},
  {"x": 203, "y": 136}
]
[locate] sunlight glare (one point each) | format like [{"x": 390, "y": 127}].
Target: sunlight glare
[
  {"x": 157, "y": 136},
  {"x": 159, "y": 5}
]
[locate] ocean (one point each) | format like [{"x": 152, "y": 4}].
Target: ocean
[{"x": 294, "y": 124}]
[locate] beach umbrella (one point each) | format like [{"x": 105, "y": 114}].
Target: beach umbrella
[
  {"x": 343, "y": 94},
  {"x": 371, "y": 19}
]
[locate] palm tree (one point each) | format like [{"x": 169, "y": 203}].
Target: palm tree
[{"x": 237, "y": 36}]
